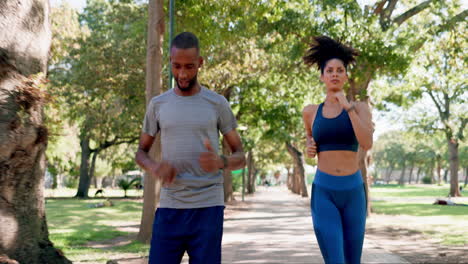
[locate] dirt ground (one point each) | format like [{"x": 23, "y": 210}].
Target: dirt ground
[{"x": 414, "y": 246}]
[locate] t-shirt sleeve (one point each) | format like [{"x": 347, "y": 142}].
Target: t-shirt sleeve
[
  {"x": 226, "y": 120},
  {"x": 151, "y": 122}
]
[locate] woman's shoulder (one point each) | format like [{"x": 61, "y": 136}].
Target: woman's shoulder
[{"x": 310, "y": 109}]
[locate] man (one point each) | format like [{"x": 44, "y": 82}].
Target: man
[{"x": 189, "y": 116}]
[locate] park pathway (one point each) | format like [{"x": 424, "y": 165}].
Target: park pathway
[{"x": 277, "y": 229}]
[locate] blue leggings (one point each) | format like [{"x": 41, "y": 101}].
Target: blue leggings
[{"x": 338, "y": 207}]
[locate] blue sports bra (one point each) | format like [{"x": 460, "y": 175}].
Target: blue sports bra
[{"x": 334, "y": 133}]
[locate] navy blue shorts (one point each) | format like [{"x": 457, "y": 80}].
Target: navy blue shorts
[{"x": 198, "y": 231}]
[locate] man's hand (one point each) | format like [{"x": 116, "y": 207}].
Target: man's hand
[
  {"x": 163, "y": 171},
  {"x": 209, "y": 160}
]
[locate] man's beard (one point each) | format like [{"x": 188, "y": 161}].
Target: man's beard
[{"x": 192, "y": 83}]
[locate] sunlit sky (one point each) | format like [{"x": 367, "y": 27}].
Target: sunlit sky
[
  {"x": 77, "y": 4},
  {"x": 384, "y": 121}
]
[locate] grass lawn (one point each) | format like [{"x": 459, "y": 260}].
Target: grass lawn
[
  {"x": 113, "y": 193},
  {"x": 393, "y": 190},
  {"x": 413, "y": 209},
  {"x": 73, "y": 223}
]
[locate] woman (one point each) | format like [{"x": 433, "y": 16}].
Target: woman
[{"x": 335, "y": 129}]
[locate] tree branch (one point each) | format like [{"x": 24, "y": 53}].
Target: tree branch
[
  {"x": 457, "y": 93},
  {"x": 447, "y": 105},
  {"x": 227, "y": 92},
  {"x": 454, "y": 20},
  {"x": 6, "y": 201},
  {"x": 390, "y": 8},
  {"x": 436, "y": 102},
  {"x": 356, "y": 3},
  {"x": 379, "y": 7},
  {"x": 115, "y": 141},
  {"x": 93, "y": 164},
  {"x": 460, "y": 135},
  {"x": 412, "y": 12},
  {"x": 444, "y": 115}
]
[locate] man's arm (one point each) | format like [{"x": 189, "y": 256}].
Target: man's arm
[
  {"x": 237, "y": 159},
  {"x": 142, "y": 157},
  {"x": 210, "y": 161},
  {"x": 162, "y": 170}
]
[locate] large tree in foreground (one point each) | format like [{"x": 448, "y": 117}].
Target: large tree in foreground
[
  {"x": 154, "y": 62},
  {"x": 25, "y": 38}
]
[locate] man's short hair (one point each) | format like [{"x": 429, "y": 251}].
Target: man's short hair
[{"x": 185, "y": 40}]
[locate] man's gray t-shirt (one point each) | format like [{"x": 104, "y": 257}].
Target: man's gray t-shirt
[{"x": 185, "y": 122}]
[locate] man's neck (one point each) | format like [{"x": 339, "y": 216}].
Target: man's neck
[{"x": 195, "y": 89}]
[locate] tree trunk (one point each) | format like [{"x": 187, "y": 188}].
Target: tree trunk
[
  {"x": 453, "y": 157},
  {"x": 94, "y": 180},
  {"x": 418, "y": 174},
  {"x": 243, "y": 183},
  {"x": 255, "y": 174},
  {"x": 154, "y": 64},
  {"x": 446, "y": 171},
  {"x": 389, "y": 175},
  {"x": 85, "y": 180},
  {"x": 24, "y": 45},
  {"x": 466, "y": 177},
  {"x": 385, "y": 173},
  {"x": 358, "y": 91},
  {"x": 295, "y": 181},
  {"x": 93, "y": 168},
  {"x": 254, "y": 178},
  {"x": 299, "y": 166},
  {"x": 289, "y": 178},
  {"x": 54, "y": 180},
  {"x": 151, "y": 194},
  {"x": 431, "y": 172},
  {"x": 251, "y": 174},
  {"x": 439, "y": 168},
  {"x": 249, "y": 167},
  {"x": 411, "y": 173},
  {"x": 401, "y": 181},
  {"x": 364, "y": 157}
]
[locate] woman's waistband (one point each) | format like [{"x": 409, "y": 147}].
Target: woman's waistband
[{"x": 333, "y": 182}]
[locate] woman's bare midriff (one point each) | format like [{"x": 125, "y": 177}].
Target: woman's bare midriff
[{"x": 338, "y": 162}]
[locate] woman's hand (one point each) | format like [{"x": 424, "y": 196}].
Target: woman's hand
[
  {"x": 341, "y": 98},
  {"x": 311, "y": 148}
]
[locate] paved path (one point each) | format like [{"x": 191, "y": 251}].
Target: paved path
[{"x": 277, "y": 228}]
